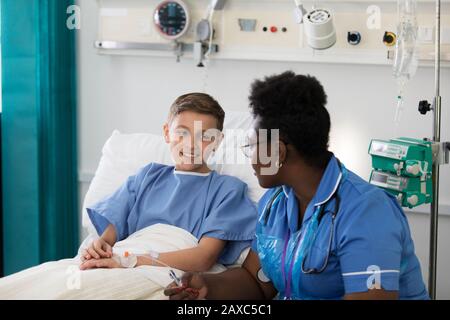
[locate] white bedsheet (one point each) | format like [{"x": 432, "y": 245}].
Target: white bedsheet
[{"x": 63, "y": 279}]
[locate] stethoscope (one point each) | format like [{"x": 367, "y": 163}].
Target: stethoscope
[{"x": 321, "y": 210}]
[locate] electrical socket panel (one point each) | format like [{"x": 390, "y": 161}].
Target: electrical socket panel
[{"x": 276, "y": 35}]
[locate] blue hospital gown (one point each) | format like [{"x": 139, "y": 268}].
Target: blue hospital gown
[{"x": 206, "y": 205}]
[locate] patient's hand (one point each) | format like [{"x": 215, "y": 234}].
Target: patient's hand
[
  {"x": 98, "y": 249},
  {"x": 108, "y": 263}
]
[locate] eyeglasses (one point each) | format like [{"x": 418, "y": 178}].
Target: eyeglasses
[{"x": 248, "y": 149}]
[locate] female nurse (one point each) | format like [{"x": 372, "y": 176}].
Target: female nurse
[{"x": 322, "y": 232}]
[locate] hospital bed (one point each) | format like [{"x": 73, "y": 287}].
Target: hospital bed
[{"x": 122, "y": 156}]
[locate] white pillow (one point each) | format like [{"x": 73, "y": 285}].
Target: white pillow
[{"x": 124, "y": 154}]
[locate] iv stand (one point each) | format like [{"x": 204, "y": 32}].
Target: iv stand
[{"x": 435, "y": 172}]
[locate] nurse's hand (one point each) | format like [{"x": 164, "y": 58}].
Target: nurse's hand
[
  {"x": 100, "y": 263},
  {"x": 193, "y": 288},
  {"x": 98, "y": 249}
]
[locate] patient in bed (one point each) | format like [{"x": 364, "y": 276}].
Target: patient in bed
[
  {"x": 190, "y": 215},
  {"x": 214, "y": 208}
]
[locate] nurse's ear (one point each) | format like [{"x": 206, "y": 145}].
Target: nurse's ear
[
  {"x": 282, "y": 155},
  {"x": 166, "y": 132}
]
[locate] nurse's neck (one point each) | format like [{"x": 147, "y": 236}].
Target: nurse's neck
[{"x": 304, "y": 179}]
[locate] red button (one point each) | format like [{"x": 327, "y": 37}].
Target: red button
[{"x": 273, "y": 29}]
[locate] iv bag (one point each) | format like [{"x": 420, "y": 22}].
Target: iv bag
[{"x": 405, "y": 60}]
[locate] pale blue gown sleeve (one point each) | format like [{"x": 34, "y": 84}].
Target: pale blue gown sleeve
[
  {"x": 233, "y": 219},
  {"x": 116, "y": 208}
]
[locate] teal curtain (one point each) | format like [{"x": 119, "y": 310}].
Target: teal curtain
[{"x": 40, "y": 220}]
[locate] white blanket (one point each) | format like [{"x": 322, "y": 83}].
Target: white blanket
[{"x": 63, "y": 279}]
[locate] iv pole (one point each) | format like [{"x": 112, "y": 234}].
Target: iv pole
[{"x": 435, "y": 172}]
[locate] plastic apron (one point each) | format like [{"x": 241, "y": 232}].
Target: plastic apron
[{"x": 287, "y": 253}]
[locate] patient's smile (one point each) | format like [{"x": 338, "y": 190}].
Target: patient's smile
[{"x": 191, "y": 157}]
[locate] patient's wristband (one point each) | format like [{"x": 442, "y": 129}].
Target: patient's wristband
[
  {"x": 127, "y": 260},
  {"x": 154, "y": 256}
]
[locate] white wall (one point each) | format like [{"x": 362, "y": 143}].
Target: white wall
[{"x": 133, "y": 94}]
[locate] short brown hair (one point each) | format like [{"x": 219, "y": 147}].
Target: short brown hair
[{"x": 200, "y": 103}]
